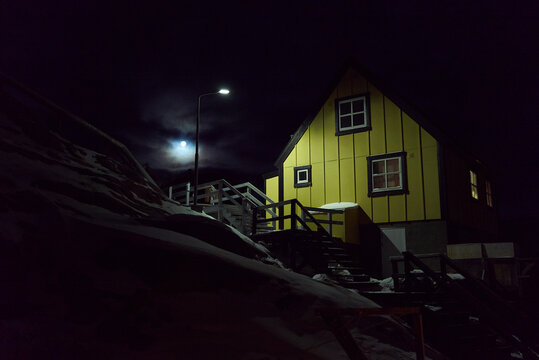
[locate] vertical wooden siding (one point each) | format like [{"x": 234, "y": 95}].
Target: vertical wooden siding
[
  {"x": 339, "y": 163},
  {"x": 272, "y": 188}
]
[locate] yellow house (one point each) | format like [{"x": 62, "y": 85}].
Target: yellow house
[{"x": 415, "y": 190}]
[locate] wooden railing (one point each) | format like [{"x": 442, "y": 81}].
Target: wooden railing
[
  {"x": 257, "y": 206},
  {"x": 492, "y": 308},
  {"x": 298, "y": 215},
  {"x": 220, "y": 193}
]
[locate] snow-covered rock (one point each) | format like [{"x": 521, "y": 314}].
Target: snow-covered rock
[{"x": 95, "y": 262}]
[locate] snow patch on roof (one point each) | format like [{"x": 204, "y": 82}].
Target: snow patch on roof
[{"x": 339, "y": 205}]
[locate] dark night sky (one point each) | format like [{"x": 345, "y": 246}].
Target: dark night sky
[{"x": 135, "y": 69}]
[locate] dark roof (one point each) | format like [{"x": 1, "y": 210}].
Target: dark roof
[{"x": 354, "y": 64}]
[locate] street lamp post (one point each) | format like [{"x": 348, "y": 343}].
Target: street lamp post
[{"x": 220, "y": 92}]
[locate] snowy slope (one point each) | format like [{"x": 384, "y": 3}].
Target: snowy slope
[{"x": 95, "y": 262}]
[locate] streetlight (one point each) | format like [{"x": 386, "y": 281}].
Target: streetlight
[{"x": 220, "y": 92}]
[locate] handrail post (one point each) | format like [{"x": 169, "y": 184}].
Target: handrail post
[
  {"x": 244, "y": 214},
  {"x": 293, "y": 219},
  {"x": 407, "y": 269},
  {"x": 274, "y": 223},
  {"x": 443, "y": 267},
  {"x": 330, "y": 225},
  {"x": 395, "y": 275},
  {"x": 220, "y": 200},
  {"x": 255, "y": 220},
  {"x": 419, "y": 336},
  {"x": 188, "y": 193}
]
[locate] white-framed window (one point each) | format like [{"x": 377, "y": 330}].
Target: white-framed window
[
  {"x": 387, "y": 174},
  {"x": 302, "y": 176},
  {"x": 488, "y": 194},
  {"x": 473, "y": 185},
  {"x": 352, "y": 114}
]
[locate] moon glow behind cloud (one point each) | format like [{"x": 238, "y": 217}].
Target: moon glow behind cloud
[{"x": 181, "y": 151}]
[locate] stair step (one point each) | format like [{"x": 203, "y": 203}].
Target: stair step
[
  {"x": 354, "y": 277},
  {"x": 336, "y": 255}
]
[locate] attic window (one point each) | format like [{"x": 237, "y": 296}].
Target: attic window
[
  {"x": 352, "y": 114},
  {"x": 473, "y": 185},
  {"x": 387, "y": 174},
  {"x": 302, "y": 176}
]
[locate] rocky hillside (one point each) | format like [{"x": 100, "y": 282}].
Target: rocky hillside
[{"x": 96, "y": 263}]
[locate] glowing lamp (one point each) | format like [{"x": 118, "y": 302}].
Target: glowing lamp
[{"x": 221, "y": 92}]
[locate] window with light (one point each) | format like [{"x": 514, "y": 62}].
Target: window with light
[
  {"x": 387, "y": 174},
  {"x": 473, "y": 185},
  {"x": 488, "y": 193}
]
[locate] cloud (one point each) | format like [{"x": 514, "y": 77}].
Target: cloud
[
  {"x": 169, "y": 118},
  {"x": 171, "y": 111}
]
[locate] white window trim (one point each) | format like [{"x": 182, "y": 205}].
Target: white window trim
[
  {"x": 306, "y": 171},
  {"x": 352, "y": 113},
  {"x": 400, "y": 187}
]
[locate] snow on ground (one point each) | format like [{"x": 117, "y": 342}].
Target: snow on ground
[
  {"x": 385, "y": 284},
  {"x": 95, "y": 262},
  {"x": 455, "y": 276}
]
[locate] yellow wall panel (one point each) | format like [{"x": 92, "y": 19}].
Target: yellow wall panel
[
  {"x": 316, "y": 130},
  {"x": 289, "y": 191},
  {"x": 380, "y": 209},
  {"x": 397, "y": 208},
  {"x": 393, "y": 126},
  {"x": 410, "y": 131},
  {"x": 304, "y": 196},
  {"x": 331, "y": 146},
  {"x": 272, "y": 189},
  {"x": 361, "y": 140},
  {"x": 378, "y": 140},
  {"x": 414, "y": 199},
  {"x": 430, "y": 179},
  {"x": 362, "y": 144},
  {"x": 302, "y": 150},
  {"x": 288, "y": 184},
  {"x": 347, "y": 175},
  {"x": 332, "y": 181},
  {"x": 291, "y": 159},
  {"x": 346, "y": 146},
  {"x": 426, "y": 139},
  {"x": 362, "y": 186},
  {"x": 412, "y": 146},
  {"x": 318, "y": 192}
]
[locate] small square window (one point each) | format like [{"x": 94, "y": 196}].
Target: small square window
[
  {"x": 387, "y": 174},
  {"x": 352, "y": 114},
  {"x": 302, "y": 176},
  {"x": 473, "y": 185}
]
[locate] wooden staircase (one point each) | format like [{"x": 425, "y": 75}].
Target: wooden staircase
[
  {"x": 314, "y": 252},
  {"x": 462, "y": 317},
  {"x": 301, "y": 248}
]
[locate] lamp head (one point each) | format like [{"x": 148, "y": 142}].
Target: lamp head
[{"x": 224, "y": 91}]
